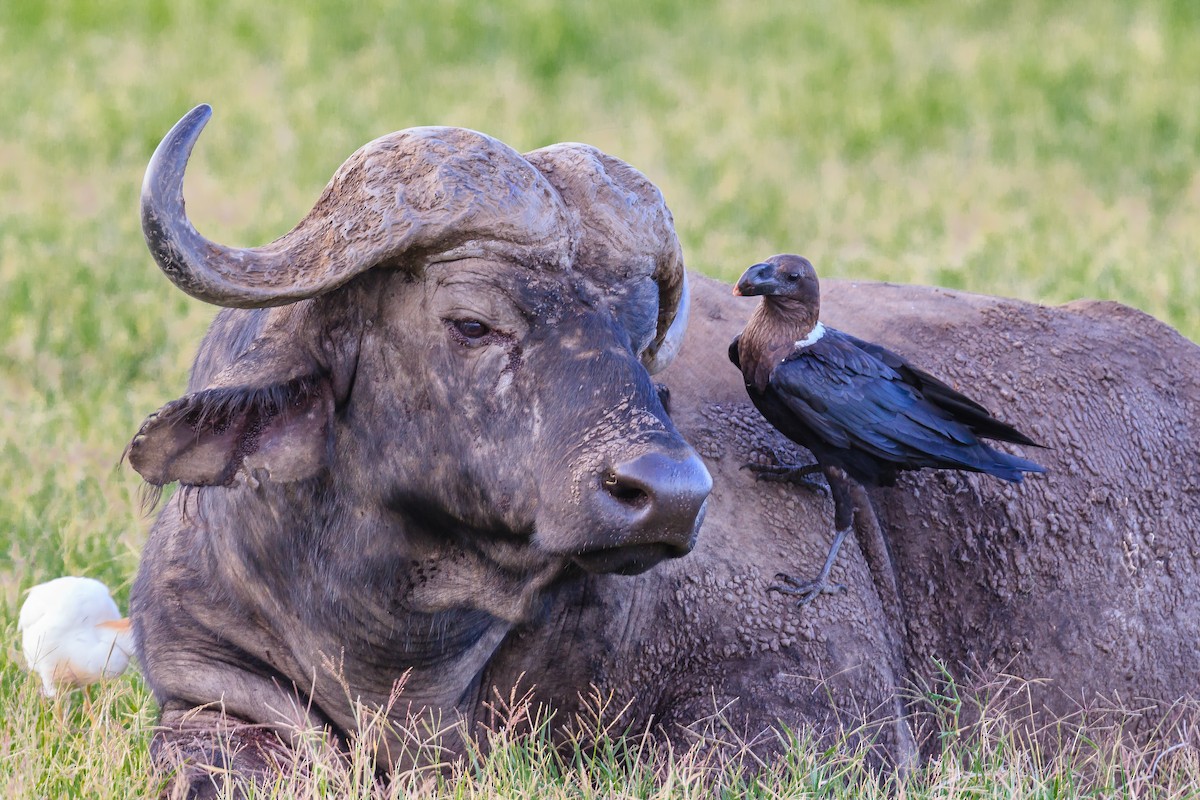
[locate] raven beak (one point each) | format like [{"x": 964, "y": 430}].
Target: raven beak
[{"x": 758, "y": 279}]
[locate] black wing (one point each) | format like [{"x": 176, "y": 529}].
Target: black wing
[
  {"x": 733, "y": 351},
  {"x": 960, "y": 407},
  {"x": 852, "y": 401}
]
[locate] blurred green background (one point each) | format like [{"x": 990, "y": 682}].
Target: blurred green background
[{"x": 1044, "y": 150}]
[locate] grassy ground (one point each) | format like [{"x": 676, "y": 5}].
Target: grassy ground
[
  {"x": 1045, "y": 150},
  {"x": 93, "y": 745}
]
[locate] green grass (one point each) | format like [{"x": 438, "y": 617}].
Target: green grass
[
  {"x": 1045, "y": 150},
  {"x": 95, "y": 745}
]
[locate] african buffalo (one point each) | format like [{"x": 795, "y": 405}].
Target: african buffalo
[
  {"x": 428, "y": 405},
  {"x": 439, "y": 453}
]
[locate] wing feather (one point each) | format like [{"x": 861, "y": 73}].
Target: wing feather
[
  {"x": 851, "y": 399},
  {"x": 959, "y": 407}
]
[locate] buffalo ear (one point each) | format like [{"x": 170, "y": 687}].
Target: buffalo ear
[{"x": 205, "y": 438}]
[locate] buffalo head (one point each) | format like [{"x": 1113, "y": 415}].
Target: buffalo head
[{"x": 455, "y": 343}]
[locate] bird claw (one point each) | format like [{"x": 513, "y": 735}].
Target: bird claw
[
  {"x": 807, "y": 591},
  {"x": 802, "y": 475}
]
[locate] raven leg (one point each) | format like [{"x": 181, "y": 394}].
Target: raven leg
[
  {"x": 808, "y": 591},
  {"x": 843, "y": 519}
]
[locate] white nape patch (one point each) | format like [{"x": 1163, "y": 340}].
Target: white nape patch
[{"x": 813, "y": 336}]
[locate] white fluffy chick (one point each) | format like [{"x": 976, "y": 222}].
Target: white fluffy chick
[{"x": 73, "y": 634}]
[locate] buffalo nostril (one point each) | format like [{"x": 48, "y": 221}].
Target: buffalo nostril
[
  {"x": 647, "y": 508},
  {"x": 626, "y": 490},
  {"x": 661, "y": 493}
]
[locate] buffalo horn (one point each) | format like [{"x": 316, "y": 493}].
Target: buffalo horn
[
  {"x": 663, "y": 352},
  {"x": 438, "y": 190}
]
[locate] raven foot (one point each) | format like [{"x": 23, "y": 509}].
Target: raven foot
[
  {"x": 802, "y": 475},
  {"x": 808, "y": 591}
]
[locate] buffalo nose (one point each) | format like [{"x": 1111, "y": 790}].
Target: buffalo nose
[{"x": 658, "y": 500}]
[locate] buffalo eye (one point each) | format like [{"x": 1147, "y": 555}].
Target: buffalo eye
[
  {"x": 469, "y": 331},
  {"x": 471, "y": 328}
]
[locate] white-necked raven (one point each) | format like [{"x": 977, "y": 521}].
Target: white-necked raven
[{"x": 863, "y": 411}]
